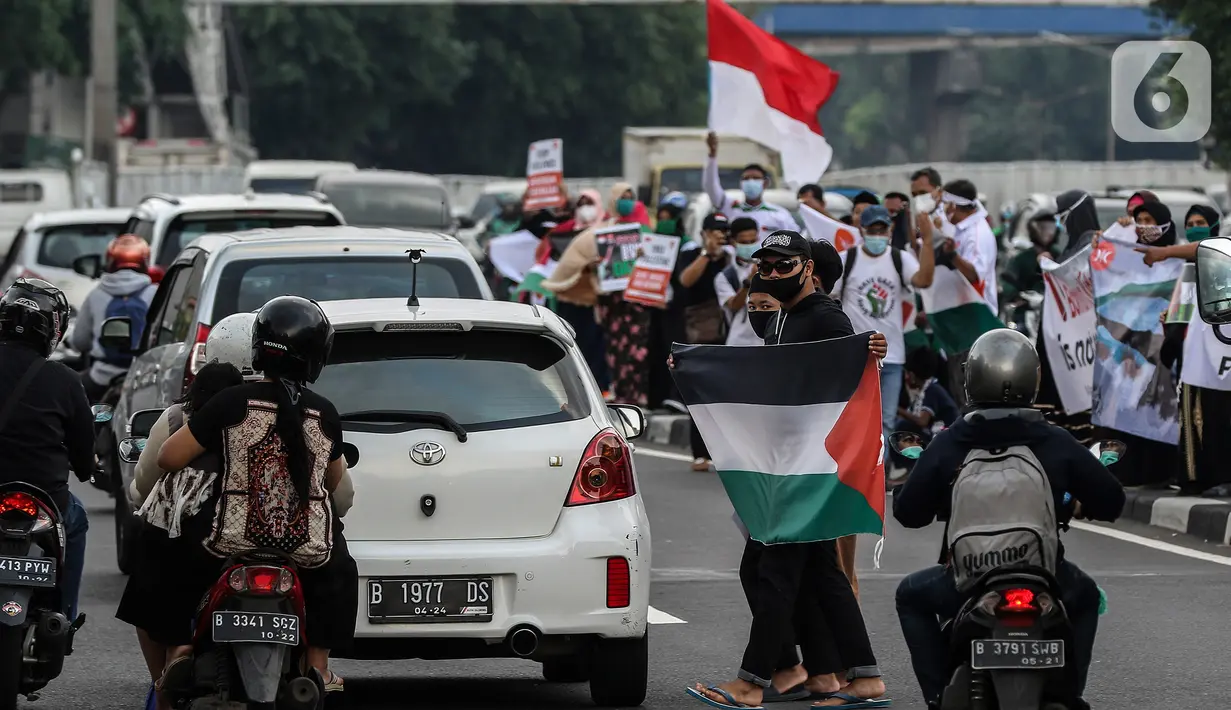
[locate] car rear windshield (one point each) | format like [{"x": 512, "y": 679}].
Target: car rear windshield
[
  {"x": 61, "y": 245},
  {"x": 246, "y": 285},
  {"x": 187, "y": 228},
  {"x": 286, "y": 186},
  {"x": 483, "y": 379},
  {"x": 384, "y": 205}
]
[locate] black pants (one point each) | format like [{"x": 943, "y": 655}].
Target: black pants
[
  {"x": 798, "y": 593},
  {"x": 699, "y": 450},
  {"x": 590, "y": 339}
]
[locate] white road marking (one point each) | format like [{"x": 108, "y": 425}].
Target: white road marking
[
  {"x": 660, "y": 454},
  {"x": 657, "y": 616},
  {"x": 1152, "y": 544}
]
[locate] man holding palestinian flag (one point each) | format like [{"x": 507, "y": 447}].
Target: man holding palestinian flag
[{"x": 800, "y": 457}]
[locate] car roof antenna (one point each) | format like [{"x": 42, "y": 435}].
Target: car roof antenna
[{"x": 416, "y": 255}]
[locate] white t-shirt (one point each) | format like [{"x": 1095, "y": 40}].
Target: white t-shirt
[
  {"x": 977, "y": 244},
  {"x": 740, "y": 332},
  {"x": 1207, "y": 361},
  {"x": 873, "y": 300}
]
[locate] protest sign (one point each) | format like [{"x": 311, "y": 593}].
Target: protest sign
[
  {"x": 617, "y": 252},
  {"x": 1133, "y": 391},
  {"x": 651, "y": 278},
  {"x": 544, "y": 175},
  {"x": 1184, "y": 296},
  {"x": 1068, "y": 329},
  {"x": 513, "y": 254}
]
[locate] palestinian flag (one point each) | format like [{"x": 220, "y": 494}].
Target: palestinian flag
[
  {"x": 531, "y": 289},
  {"x": 800, "y": 455},
  {"x": 956, "y": 311}
]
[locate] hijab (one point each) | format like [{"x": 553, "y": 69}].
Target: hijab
[
  {"x": 1162, "y": 216},
  {"x": 1211, "y": 216},
  {"x": 1080, "y": 223},
  {"x": 639, "y": 215},
  {"x": 1138, "y": 198}
]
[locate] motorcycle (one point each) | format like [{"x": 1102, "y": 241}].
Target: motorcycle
[
  {"x": 1011, "y": 640},
  {"x": 109, "y": 478},
  {"x": 35, "y": 635},
  {"x": 1024, "y": 316},
  {"x": 248, "y": 645}
]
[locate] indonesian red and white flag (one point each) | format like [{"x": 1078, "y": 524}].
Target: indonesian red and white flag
[{"x": 764, "y": 89}]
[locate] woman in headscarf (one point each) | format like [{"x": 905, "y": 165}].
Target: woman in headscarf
[
  {"x": 1200, "y": 222},
  {"x": 1139, "y": 198},
  {"x": 1152, "y": 463},
  {"x": 625, "y": 325}
]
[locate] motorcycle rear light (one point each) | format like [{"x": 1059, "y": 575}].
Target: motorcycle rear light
[
  {"x": 1016, "y": 600},
  {"x": 605, "y": 473},
  {"x": 238, "y": 580},
  {"x": 26, "y": 505},
  {"x": 264, "y": 580},
  {"x": 618, "y": 583}
]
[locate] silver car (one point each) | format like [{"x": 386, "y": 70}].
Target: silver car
[{"x": 218, "y": 275}]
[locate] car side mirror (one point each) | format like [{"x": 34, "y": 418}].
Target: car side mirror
[
  {"x": 117, "y": 333},
  {"x": 140, "y": 423},
  {"x": 350, "y": 452},
  {"x": 629, "y": 418},
  {"x": 1214, "y": 284},
  {"x": 89, "y": 265},
  {"x": 908, "y": 444},
  {"x": 129, "y": 450},
  {"x": 102, "y": 413},
  {"x": 466, "y": 222}
]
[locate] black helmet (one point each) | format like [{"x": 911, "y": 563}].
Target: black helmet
[
  {"x": 291, "y": 339},
  {"x": 36, "y": 312},
  {"x": 1002, "y": 370}
]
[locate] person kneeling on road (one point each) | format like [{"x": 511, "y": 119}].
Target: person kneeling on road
[
  {"x": 46, "y": 426},
  {"x": 1002, "y": 372}
]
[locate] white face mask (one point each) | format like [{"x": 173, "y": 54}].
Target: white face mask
[
  {"x": 925, "y": 203},
  {"x": 587, "y": 213}
]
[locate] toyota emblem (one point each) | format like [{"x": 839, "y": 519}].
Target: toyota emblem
[{"x": 427, "y": 453}]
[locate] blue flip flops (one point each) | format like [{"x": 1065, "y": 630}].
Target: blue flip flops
[
  {"x": 731, "y": 704},
  {"x": 151, "y": 702},
  {"x": 853, "y": 702}
]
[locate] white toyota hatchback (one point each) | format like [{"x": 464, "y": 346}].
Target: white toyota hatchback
[{"x": 496, "y": 508}]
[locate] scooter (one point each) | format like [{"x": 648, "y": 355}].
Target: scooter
[{"x": 1011, "y": 641}]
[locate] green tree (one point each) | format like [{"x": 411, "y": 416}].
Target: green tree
[
  {"x": 32, "y": 40},
  {"x": 1210, "y": 21}
]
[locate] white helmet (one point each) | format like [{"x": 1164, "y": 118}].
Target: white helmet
[{"x": 230, "y": 341}]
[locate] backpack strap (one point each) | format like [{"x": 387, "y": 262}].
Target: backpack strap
[
  {"x": 896, "y": 255},
  {"x": 732, "y": 277},
  {"x": 20, "y": 389},
  {"x": 847, "y": 268}
]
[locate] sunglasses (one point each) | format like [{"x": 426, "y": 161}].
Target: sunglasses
[{"x": 783, "y": 266}]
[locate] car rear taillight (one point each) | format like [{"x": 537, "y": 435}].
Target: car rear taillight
[
  {"x": 1017, "y": 600},
  {"x": 24, "y": 505},
  {"x": 605, "y": 473},
  {"x": 261, "y": 580},
  {"x": 618, "y": 583},
  {"x": 196, "y": 360}
]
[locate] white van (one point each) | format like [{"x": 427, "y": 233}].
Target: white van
[
  {"x": 25, "y": 192},
  {"x": 294, "y": 177}
]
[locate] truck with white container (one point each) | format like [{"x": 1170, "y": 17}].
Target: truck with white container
[{"x": 662, "y": 160}]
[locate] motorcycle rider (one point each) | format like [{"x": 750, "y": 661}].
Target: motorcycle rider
[
  {"x": 281, "y": 447},
  {"x": 1002, "y": 373},
  {"x": 46, "y": 427},
  {"x": 125, "y": 289}
]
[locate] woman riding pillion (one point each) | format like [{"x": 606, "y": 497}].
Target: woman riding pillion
[{"x": 281, "y": 446}]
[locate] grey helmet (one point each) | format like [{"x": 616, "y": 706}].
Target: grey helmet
[{"x": 1002, "y": 370}]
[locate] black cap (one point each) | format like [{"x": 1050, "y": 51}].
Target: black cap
[
  {"x": 784, "y": 242},
  {"x": 716, "y": 220}
]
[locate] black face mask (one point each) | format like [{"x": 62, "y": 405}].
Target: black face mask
[
  {"x": 785, "y": 289},
  {"x": 759, "y": 320}
]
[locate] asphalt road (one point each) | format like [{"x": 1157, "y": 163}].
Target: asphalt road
[{"x": 1162, "y": 644}]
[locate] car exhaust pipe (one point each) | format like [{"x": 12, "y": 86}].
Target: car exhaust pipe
[{"x": 524, "y": 641}]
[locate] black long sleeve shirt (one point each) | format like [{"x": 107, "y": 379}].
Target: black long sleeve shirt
[{"x": 50, "y": 431}]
